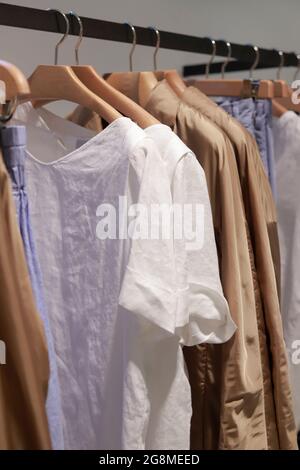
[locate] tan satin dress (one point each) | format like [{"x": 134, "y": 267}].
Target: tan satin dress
[{"x": 262, "y": 220}]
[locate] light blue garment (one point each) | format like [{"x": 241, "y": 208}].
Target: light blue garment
[
  {"x": 256, "y": 117},
  {"x": 13, "y": 141}
]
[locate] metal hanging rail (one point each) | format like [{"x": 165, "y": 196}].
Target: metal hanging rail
[
  {"x": 233, "y": 66},
  {"x": 43, "y": 20}
]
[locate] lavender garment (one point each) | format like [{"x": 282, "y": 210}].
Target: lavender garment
[
  {"x": 256, "y": 117},
  {"x": 13, "y": 141}
]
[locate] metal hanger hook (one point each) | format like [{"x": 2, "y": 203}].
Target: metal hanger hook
[
  {"x": 298, "y": 67},
  {"x": 281, "y": 64},
  {"x": 224, "y": 65},
  {"x": 213, "y": 55},
  {"x": 80, "y": 36},
  {"x": 133, "y": 45},
  {"x": 66, "y": 33},
  {"x": 157, "y": 45},
  {"x": 255, "y": 63}
]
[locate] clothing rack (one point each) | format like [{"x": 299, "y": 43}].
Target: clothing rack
[
  {"x": 49, "y": 21},
  {"x": 234, "y": 66}
]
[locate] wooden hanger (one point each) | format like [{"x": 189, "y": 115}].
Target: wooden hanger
[
  {"x": 91, "y": 79},
  {"x": 135, "y": 85},
  {"x": 281, "y": 89},
  {"x": 139, "y": 85},
  {"x": 94, "y": 82},
  {"x": 287, "y": 102},
  {"x": 278, "y": 109},
  {"x": 173, "y": 79},
  {"x": 15, "y": 81},
  {"x": 16, "y": 88},
  {"x": 239, "y": 88},
  {"x": 59, "y": 82}
]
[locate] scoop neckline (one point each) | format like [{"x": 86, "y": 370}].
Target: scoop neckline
[{"x": 94, "y": 139}]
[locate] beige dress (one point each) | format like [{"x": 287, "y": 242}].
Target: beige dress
[{"x": 262, "y": 219}]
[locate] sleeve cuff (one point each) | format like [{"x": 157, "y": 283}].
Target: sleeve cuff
[
  {"x": 198, "y": 315},
  {"x": 209, "y": 319}
]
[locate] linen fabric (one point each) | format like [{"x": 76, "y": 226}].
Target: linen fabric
[{"x": 127, "y": 350}]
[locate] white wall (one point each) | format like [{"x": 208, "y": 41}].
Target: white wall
[{"x": 267, "y": 23}]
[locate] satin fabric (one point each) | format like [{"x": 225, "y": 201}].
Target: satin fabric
[
  {"x": 24, "y": 377},
  {"x": 262, "y": 220}
]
